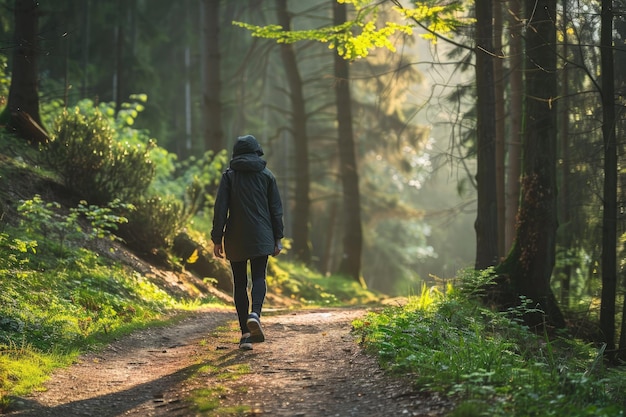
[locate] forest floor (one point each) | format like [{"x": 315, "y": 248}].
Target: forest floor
[{"x": 310, "y": 365}]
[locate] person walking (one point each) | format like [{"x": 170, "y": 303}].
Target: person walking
[{"x": 248, "y": 218}]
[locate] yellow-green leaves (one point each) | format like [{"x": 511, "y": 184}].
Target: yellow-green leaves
[
  {"x": 436, "y": 19},
  {"x": 358, "y": 4},
  {"x": 353, "y": 39},
  {"x": 356, "y": 38},
  {"x": 370, "y": 37}
]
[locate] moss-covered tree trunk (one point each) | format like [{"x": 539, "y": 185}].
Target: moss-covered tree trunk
[{"x": 531, "y": 261}]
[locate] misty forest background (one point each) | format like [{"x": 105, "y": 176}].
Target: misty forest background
[
  {"x": 418, "y": 123},
  {"x": 416, "y": 201}
]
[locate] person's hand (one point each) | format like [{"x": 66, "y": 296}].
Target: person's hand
[
  {"x": 218, "y": 250},
  {"x": 277, "y": 248}
]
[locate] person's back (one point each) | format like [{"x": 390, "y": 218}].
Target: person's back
[
  {"x": 248, "y": 217},
  {"x": 255, "y": 209}
]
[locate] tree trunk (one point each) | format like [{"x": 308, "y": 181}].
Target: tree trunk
[
  {"x": 86, "y": 35},
  {"x": 498, "y": 74},
  {"x": 564, "y": 191},
  {"x": 514, "y": 145},
  {"x": 211, "y": 59},
  {"x": 619, "y": 60},
  {"x": 23, "y": 101},
  {"x": 118, "y": 78},
  {"x": 532, "y": 258},
  {"x": 327, "y": 260},
  {"x": 609, "y": 217},
  {"x": 487, "y": 215},
  {"x": 301, "y": 246},
  {"x": 353, "y": 235}
]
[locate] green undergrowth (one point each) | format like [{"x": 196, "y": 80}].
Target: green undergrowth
[
  {"x": 489, "y": 362},
  {"x": 52, "y": 309},
  {"x": 59, "y": 298},
  {"x": 308, "y": 287}
]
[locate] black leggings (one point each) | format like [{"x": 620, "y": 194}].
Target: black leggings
[{"x": 258, "y": 267}]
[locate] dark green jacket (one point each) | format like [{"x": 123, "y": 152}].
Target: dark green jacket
[{"x": 248, "y": 211}]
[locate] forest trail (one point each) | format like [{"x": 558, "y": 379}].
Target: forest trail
[{"x": 310, "y": 365}]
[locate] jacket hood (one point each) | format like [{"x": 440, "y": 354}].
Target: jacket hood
[
  {"x": 247, "y": 144},
  {"x": 247, "y": 162},
  {"x": 247, "y": 155}
]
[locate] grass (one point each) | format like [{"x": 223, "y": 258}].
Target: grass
[
  {"x": 23, "y": 369},
  {"x": 57, "y": 303},
  {"x": 489, "y": 362},
  {"x": 207, "y": 402},
  {"x": 212, "y": 381},
  {"x": 309, "y": 287}
]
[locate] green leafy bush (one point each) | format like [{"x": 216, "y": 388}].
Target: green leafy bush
[
  {"x": 93, "y": 164},
  {"x": 45, "y": 220},
  {"x": 194, "y": 181},
  {"x": 182, "y": 195},
  {"x": 154, "y": 224}
]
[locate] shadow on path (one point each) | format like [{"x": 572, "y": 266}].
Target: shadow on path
[
  {"x": 145, "y": 399},
  {"x": 138, "y": 375}
]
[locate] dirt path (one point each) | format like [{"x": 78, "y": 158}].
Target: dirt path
[{"x": 310, "y": 365}]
